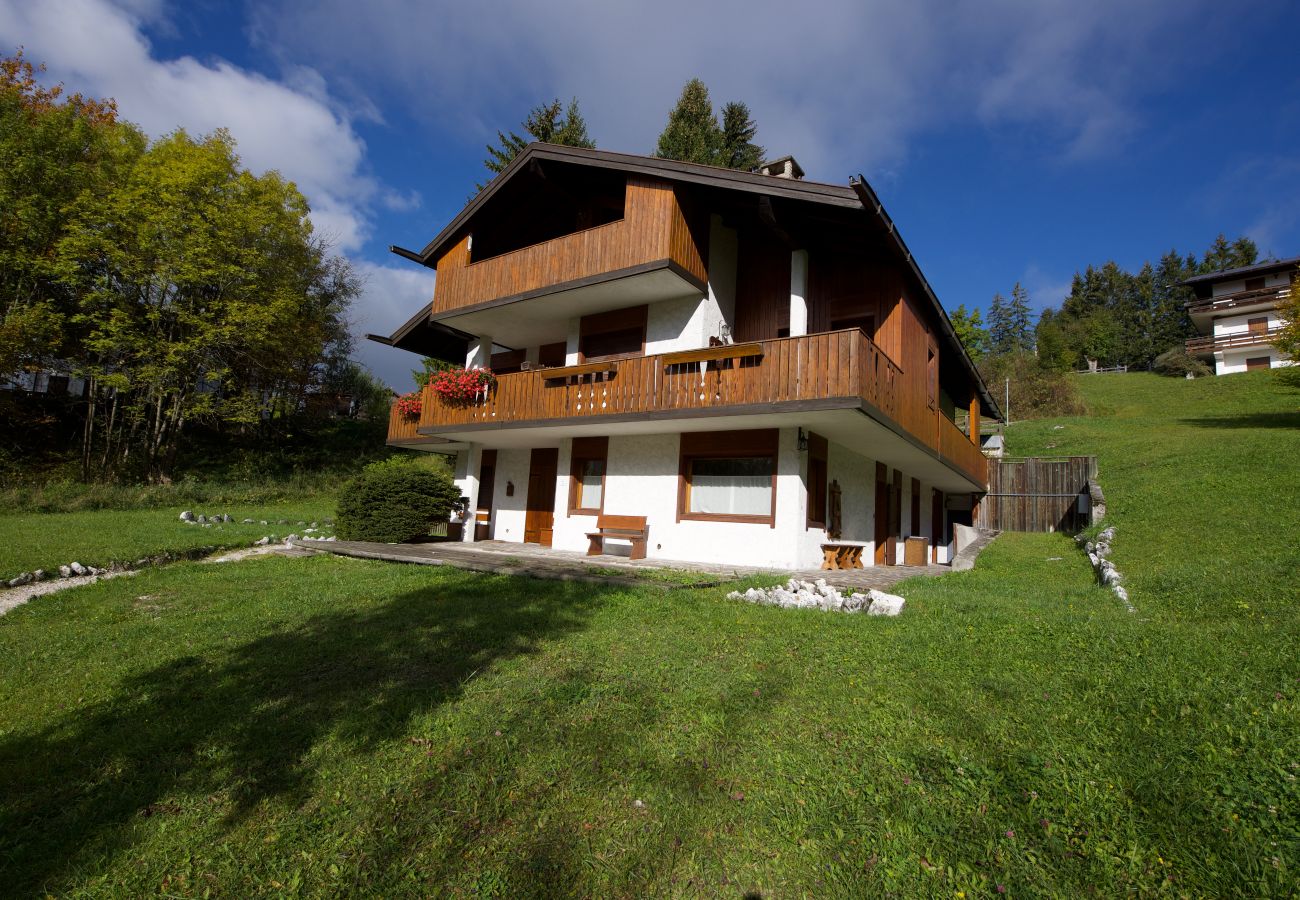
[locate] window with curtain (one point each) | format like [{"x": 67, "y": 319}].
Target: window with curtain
[
  {"x": 731, "y": 487},
  {"x": 587, "y": 476}
]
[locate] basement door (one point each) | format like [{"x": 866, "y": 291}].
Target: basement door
[{"x": 539, "y": 518}]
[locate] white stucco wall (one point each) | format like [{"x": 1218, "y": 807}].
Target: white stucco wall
[
  {"x": 1230, "y": 362},
  {"x": 1275, "y": 279},
  {"x": 641, "y": 480},
  {"x": 1240, "y": 324}
]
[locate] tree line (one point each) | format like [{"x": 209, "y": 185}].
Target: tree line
[
  {"x": 693, "y": 133},
  {"x": 186, "y": 291}
]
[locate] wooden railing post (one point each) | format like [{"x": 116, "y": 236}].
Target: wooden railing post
[{"x": 973, "y": 420}]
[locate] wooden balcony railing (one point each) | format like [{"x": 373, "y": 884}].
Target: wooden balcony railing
[
  {"x": 653, "y": 228},
  {"x": 402, "y": 430},
  {"x": 957, "y": 449},
  {"x": 1240, "y": 298},
  {"x": 1210, "y": 343},
  {"x": 833, "y": 365}
]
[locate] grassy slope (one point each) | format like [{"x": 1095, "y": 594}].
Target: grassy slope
[
  {"x": 324, "y": 724},
  {"x": 100, "y": 537}
]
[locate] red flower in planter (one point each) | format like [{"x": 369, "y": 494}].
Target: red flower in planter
[
  {"x": 463, "y": 387},
  {"x": 408, "y": 405}
]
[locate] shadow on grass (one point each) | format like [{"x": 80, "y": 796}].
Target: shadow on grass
[
  {"x": 1247, "y": 420},
  {"x": 242, "y": 723}
]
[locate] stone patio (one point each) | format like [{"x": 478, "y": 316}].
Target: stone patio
[{"x": 533, "y": 560}]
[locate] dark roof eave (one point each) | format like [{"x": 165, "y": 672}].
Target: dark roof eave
[
  {"x": 1274, "y": 266},
  {"x": 872, "y": 204}
]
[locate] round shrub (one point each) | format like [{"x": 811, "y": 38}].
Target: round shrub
[
  {"x": 1178, "y": 363},
  {"x": 393, "y": 501}
]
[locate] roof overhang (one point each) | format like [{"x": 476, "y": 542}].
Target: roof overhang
[{"x": 422, "y": 336}]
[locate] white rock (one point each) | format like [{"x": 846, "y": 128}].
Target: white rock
[
  {"x": 40, "y": 575},
  {"x": 77, "y": 568},
  {"x": 262, "y": 542},
  {"x": 65, "y": 571},
  {"x": 187, "y": 516},
  {"x": 883, "y": 604}
]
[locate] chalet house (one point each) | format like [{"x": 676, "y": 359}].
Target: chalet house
[
  {"x": 748, "y": 367},
  {"x": 1236, "y": 313}
]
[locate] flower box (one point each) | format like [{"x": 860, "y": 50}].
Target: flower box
[{"x": 462, "y": 387}]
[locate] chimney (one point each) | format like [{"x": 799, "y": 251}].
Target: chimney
[{"x": 785, "y": 167}]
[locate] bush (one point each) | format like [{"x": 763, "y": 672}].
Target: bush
[
  {"x": 394, "y": 501},
  {"x": 1036, "y": 392},
  {"x": 1178, "y": 363}
]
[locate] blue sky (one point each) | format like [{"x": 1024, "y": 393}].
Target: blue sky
[{"x": 1011, "y": 141}]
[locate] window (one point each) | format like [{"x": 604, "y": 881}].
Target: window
[
  {"x": 587, "y": 476},
  {"x": 816, "y": 481},
  {"x": 1257, "y": 325},
  {"x": 612, "y": 335},
  {"x": 1258, "y": 362},
  {"x": 728, "y": 476},
  {"x": 1255, "y": 284}
]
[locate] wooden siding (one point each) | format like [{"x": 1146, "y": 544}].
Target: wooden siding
[
  {"x": 1038, "y": 494},
  {"x": 402, "y": 430},
  {"x": 840, "y": 364},
  {"x": 762, "y": 287},
  {"x": 654, "y": 227}
]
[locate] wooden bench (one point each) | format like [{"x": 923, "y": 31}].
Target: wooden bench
[
  {"x": 842, "y": 555},
  {"x": 625, "y": 528}
]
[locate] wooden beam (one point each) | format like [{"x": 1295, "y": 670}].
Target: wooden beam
[{"x": 728, "y": 351}]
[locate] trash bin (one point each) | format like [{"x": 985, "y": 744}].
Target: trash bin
[{"x": 916, "y": 551}]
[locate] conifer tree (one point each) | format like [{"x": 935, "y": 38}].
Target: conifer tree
[
  {"x": 1022, "y": 336},
  {"x": 999, "y": 326},
  {"x": 738, "y": 131},
  {"x": 692, "y": 133},
  {"x": 551, "y": 123}
]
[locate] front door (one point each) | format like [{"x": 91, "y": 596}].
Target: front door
[
  {"x": 882, "y": 515},
  {"x": 539, "y": 519}
]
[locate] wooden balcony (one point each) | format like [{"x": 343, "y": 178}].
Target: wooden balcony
[
  {"x": 835, "y": 369},
  {"x": 1214, "y": 343},
  {"x": 653, "y": 231},
  {"x": 1265, "y": 297}
]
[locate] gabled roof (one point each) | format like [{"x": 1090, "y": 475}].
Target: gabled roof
[
  {"x": 1263, "y": 268},
  {"x": 857, "y": 195}
]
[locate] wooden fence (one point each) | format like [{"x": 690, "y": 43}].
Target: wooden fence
[{"x": 1038, "y": 494}]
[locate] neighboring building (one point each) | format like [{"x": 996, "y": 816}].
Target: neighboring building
[
  {"x": 752, "y": 362},
  {"x": 1236, "y": 312}
]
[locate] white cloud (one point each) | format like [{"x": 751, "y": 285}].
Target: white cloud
[
  {"x": 843, "y": 84},
  {"x": 294, "y": 127},
  {"x": 389, "y": 297}
]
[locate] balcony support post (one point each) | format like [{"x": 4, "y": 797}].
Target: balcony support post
[
  {"x": 480, "y": 352},
  {"x": 798, "y": 293}
]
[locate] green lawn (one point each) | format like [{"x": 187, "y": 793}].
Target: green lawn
[
  {"x": 322, "y": 725},
  {"x": 99, "y": 537}
]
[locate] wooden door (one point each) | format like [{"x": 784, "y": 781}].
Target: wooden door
[
  {"x": 882, "y": 514},
  {"x": 539, "y": 518},
  {"x": 895, "y": 516}
]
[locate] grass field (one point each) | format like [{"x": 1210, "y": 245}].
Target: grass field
[
  {"x": 100, "y": 537},
  {"x": 321, "y": 726}
]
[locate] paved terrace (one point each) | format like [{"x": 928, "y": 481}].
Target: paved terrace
[{"x": 532, "y": 560}]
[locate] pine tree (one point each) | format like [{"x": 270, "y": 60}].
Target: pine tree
[
  {"x": 738, "y": 131},
  {"x": 1223, "y": 255},
  {"x": 544, "y": 123},
  {"x": 692, "y": 133},
  {"x": 1000, "y": 341},
  {"x": 1022, "y": 335}
]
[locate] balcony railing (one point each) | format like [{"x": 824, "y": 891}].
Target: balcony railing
[
  {"x": 653, "y": 229},
  {"x": 1212, "y": 343},
  {"x": 1254, "y": 297},
  {"x": 843, "y": 365}
]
